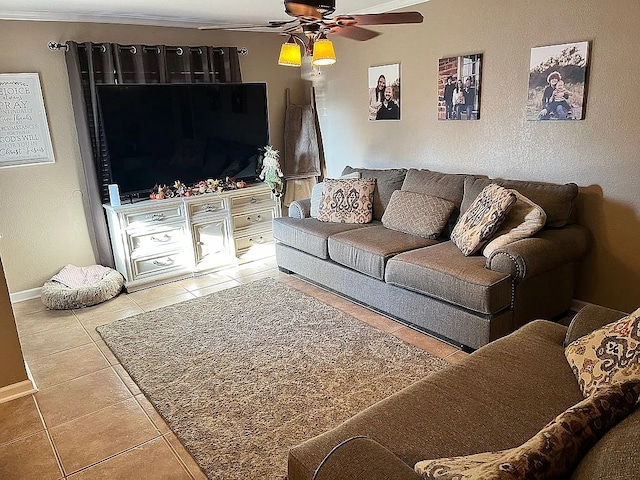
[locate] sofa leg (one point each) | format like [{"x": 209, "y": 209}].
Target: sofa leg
[{"x": 284, "y": 270}]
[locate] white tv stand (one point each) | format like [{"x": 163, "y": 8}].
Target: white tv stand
[{"x": 155, "y": 241}]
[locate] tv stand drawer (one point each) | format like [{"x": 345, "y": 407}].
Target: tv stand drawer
[
  {"x": 156, "y": 241},
  {"x": 206, "y": 207},
  {"x": 158, "y": 264},
  {"x": 253, "y": 219},
  {"x": 255, "y": 200},
  {"x": 146, "y": 217}
]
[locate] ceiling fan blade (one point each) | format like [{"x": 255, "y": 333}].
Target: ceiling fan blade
[
  {"x": 381, "y": 18},
  {"x": 240, "y": 26},
  {"x": 353, "y": 32}
]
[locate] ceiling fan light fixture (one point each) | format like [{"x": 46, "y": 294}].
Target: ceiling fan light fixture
[
  {"x": 323, "y": 52},
  {"x": 290, "y": 55}
]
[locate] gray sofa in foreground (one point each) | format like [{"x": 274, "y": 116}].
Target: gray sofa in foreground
[
  {"x": 468, "y": 301},
  {"x": 495, "y": 399}
]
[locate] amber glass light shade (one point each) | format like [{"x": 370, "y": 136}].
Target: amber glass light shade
[
  {"x": 323, "y": 52},
  {"x": 290, "y": 55}
]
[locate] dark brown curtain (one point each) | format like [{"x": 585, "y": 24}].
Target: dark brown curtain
[{"x": 91, "y": 64}]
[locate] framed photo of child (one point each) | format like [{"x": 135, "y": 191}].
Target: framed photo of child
[
  {"x": 557, "y": 82},
  {"x": 384, "y": 92},
  {"x": 459, "y": 87}
]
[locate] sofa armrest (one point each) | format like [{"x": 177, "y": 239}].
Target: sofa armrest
[
  {"x": 588, "y": 319},
  {"x": 548, "y": 250},
  {"x": 300, "y": 208},
  {"x": 361, "y": 457}
]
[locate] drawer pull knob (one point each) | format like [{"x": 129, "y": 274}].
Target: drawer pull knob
[
  {"x": 164, "y": 239},
  {"x": 259, "y": 240},
  {"x": 169, "y": 261},
  {"x": 209, "y": 208},
  {"x": 253, "y": 200},
  {"x": 156, "y": 217},
  {"x": 254, "y": 220}
]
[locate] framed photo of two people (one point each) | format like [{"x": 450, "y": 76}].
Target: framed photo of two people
[
  {"x": 459, "y": 87},
  {"x": 384, "y": 92}
]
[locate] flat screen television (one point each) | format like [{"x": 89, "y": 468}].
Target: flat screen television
[{"x": 160, "y": 133}]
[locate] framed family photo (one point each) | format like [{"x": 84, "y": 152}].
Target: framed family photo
[
  {"x": 384, "y": 92},
  {"x": 557, "y": 82},
  {"x": 459, "y": 87}
]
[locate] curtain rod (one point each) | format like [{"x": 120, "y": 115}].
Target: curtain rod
[{"x": 243, "y": 51}]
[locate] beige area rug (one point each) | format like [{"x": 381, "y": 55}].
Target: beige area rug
[{"x": 244, "y": 374}]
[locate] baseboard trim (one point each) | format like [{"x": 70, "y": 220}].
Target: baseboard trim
[
  {"x": 25, "y": 295},
  {"x": 17, "y": 390}
]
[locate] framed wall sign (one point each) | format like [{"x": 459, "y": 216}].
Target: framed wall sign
[{"x": 24, "y": 131}]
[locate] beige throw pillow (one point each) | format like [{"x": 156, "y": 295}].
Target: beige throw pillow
[
  {"x": 524, "y": 219},
  {"x": 316, "y": 194},
  {"x": 417, "y": 214},
  {"x": 554, "y": 451},
  {"x": 347, "y": 201},
  {"x": 482, "y": 219},
  {"x": 608, "y": 355}
]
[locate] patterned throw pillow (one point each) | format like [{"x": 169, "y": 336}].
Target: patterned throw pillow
[
  {"x": 524, "y": 219},
  {"x": 347, "y": 201},
  {"x": 554, "y": 451},
  {"x": 417, "y": 214},
  {"x": 482, "y": 219},
  {"x": 608, "y": 355},
  {"x": 316, "y": 194}
]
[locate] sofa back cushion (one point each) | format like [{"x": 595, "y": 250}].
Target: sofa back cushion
[
  {"x": 615, "y": 456},
  {"x": 417, "y": 214},
  {"x": 449, "y": 186},
  {"x": 556, "y": 200},
  {"x": 387, "y": 181}
]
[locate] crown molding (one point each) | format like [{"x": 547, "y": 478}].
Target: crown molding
[{"x": 392, "y": 5}]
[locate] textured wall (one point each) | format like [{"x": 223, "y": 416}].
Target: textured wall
[
  {"x": 42, "y": 215},
  {"x": 600, "y": 153},
  {"x": 41, "y": 212}
]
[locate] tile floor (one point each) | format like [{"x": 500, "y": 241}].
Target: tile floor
[{"x": 89, "y": 420}]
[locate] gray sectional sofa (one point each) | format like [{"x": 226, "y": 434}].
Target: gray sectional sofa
[
  {"x": 429, "y": 283},
  {"x": 476, "y": 406}
]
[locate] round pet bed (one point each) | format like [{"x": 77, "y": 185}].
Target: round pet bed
[{"x": 57, "y": 296}]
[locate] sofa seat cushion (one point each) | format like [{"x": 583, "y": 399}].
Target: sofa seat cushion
[
  {"x": 309, "y": 234},
  {"x": 443, "y": 272},
  {"x": 367, "y": 250}
]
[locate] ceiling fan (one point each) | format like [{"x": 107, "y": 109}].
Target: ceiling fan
[{"x": 312, "y": 23}]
